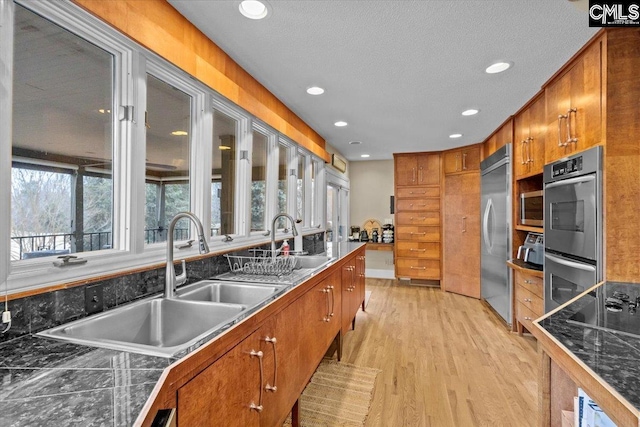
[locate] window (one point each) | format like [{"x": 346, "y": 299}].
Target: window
[
  {"x": 259, "y": 181},
  {"x": 283, "y": 165},
  {"x": 223, "y": 183},
  {"x": 63, "y": 98},
  {"x": 168, "y": 127},
  {"x": 300, "y": 187}
]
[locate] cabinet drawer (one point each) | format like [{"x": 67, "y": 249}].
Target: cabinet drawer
[
  {"x": 525, "y": 316},
  {"x": 417, "y": 234},
  {"x": 418, "y": 218},
  {"x": 417, "y": 192},
  {"x": 418, "y": 250},
  {"x": 527, "y": 281},
  {"x": 425, "y": 204},
  {"x": 418, "y": 268},
  {"x": 530, "y": 300}
]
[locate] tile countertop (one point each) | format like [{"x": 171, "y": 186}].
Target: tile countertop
[
  {"x": 55, "y": 383},
  {"x": 612, "y": 356}
]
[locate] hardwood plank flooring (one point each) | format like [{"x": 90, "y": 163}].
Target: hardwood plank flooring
[{"x": 446, "y": 360}]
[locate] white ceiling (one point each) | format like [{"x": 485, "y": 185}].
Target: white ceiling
[{"x": 399, "y": 72}]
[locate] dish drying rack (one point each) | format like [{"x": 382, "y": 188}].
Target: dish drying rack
[{"x": 262, "y": 262}]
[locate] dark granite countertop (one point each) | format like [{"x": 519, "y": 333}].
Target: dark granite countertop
[
  {"x": 613, "y": 356},
  {"x": 47, "y": 382}
]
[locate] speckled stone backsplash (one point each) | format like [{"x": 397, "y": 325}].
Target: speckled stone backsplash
[{"x": 43, "y": 311}]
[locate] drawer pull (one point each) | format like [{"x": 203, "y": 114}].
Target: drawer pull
[
  {"x": 419, "y": 234},
  {"x": 418, "y": 268},
  {"x": 528, "y": 282},
  {"x": 268, "y": 387},
  {"x": 259, "y": 406},
  {"x": 527, "y": 318},
  {"x": 417, "y": 192},
  {"x": 527, "y": 300},
  {"x": 417, "y": 250}
]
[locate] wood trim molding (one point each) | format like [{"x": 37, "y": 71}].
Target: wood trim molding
[{"x": 156, "y": 25}]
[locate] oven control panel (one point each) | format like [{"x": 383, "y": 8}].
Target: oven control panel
[{"x": 567, "y": 167}]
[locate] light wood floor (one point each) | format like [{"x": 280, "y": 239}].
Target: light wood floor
[{"x": 445, "y": 359}]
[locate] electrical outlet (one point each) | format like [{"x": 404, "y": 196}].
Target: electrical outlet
[{"x": 93, "y": 299}]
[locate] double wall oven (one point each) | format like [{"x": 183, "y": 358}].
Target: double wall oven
[{"x": 572, "y": 226}]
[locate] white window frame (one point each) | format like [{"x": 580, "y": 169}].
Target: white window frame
[{"x": 26, "y": 274}]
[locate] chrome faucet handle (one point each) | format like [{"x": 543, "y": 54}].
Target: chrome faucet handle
[
  {"x": 181, "y": 278},
  {"x": 227, "y": 238},
  {"x": 267, "y": 233}
]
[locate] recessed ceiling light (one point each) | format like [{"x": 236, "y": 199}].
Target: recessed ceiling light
[
  {"x": 253, "y": 9},
  {"x": 341, "y": 124},
  {"x": 364, "y": 155},
  {"x": 355, "y": 142},
  {"x": 315, "y": 90},
  {"x": 470, "y": 112},
  {"x": 455, "y": 135},
  {"x": 498, "y": 67},
  {"x": 179, "y": 133}
]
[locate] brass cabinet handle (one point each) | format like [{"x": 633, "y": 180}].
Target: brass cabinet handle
[
  {"x": 417, "y": 250},
  {"x": 561, "y": 142},
  {"x": 259, "y": 406},
  {"x": 418, "y": 268},
  {"x": 420, "y": 175},
  {"x": 527, "y": 300},
  {"x": 417, "y": 192},
  {"x": 420, "y": 234},
  {"x": 464, "y": 224},
  {"x": 464, "y": 161},
  {"x": 570, "y": 138},
  {"x": 413, "y": 174},
  {"x": 527, "y": 281},
  {"x": 273, "y": 387},
  {"x": 527, "y": 318},
  {"x": 523, "y": 143},
  {"x": 328, "y": 304},
  {"x": 529, "y": 145},
  {"x": 333, "y": 301}
]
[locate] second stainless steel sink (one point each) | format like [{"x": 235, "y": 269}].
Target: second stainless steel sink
[{"x": 225, "y": 292}]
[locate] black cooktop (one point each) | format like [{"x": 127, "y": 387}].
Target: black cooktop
[{"x": 618, "y": 313}]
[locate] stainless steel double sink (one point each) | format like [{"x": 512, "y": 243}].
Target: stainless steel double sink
[{"x": 165, "y": 327}]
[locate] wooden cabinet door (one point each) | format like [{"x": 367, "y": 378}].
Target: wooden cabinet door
[
  {"x": 577, "y": 96},
  {"x": 360, "y": 281},
  {"x": 223, "y": 393},
  {"x": 521, "y": 125},
  {"x": 428, "y": 168},
  {"x": 406, "y": 169},
  {"x": 452, "y": 161},
  {"x": 348, "y": 295},
  {"x": 470, "y": 158},
  {"x": 461, "y": 264},
  {"x": 280, "y": 341},
  {"x": 316, "y": 308},
  {"x": 537, "y": 137}
]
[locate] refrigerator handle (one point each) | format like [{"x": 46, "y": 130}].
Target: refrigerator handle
[{"x": 485, "y": 225}]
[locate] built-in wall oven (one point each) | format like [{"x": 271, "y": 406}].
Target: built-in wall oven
[{"x": 572, "y": 226}]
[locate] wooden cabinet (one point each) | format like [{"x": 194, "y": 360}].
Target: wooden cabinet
[
  {"x": 462, "y": 160},
  {"x": 528, "y": 302},
  {"x": 259, "y": 378},
  {"x": 200, "y": 401},
  {"x": 461, "y": 251},
  {"x": 502, "y": 136},
  {"x": 530, "y": 131},
  {"x": 417, "y": 169},
  {"x": 417, "y": 210},
  {"x": 574, "y": 106}
]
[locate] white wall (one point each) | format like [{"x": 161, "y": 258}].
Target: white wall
[{"x": 371, "y": 185}]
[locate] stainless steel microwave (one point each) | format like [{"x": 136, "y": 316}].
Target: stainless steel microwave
[{"x": 531, "y": 208}]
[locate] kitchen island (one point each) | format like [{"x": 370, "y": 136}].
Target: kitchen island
[
  {"x": 604, "y": 363},
  {"x": 48, "y": 382}
]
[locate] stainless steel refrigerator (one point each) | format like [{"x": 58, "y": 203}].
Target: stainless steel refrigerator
[{"x": 495, "y": 232}]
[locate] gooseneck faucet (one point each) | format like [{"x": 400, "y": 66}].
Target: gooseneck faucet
[
  {"x": 273, "y": 230},
  {"x": 171, "y": 281}
]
